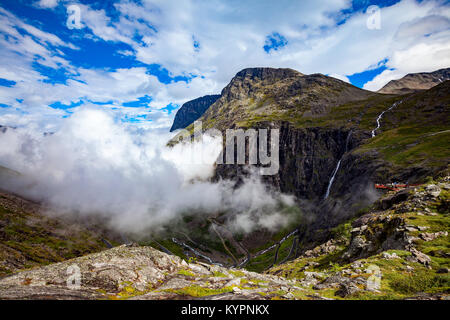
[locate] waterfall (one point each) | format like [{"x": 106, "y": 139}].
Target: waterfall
[
  {"x": 330, "y": 183},
  {"x": 381, "y": 115}
]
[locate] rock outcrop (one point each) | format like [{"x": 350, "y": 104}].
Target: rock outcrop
[
  {"x": 384, "y": 252},
  {"x": 143, "y": 273}
]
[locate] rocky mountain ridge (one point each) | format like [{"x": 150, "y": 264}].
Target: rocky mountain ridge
[{"x": 416, "y": 81}]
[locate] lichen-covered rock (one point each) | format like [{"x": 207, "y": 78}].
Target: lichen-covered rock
[
  {"x": 139, "y": 273},
  {"x": 420, "y": 257},
  {"x": 347, "y": 289},
  {"x": 427, "y": 236},
  {"x": 433, "y": 190}
]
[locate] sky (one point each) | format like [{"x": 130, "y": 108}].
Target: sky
[{"x": 139, "y": 61}]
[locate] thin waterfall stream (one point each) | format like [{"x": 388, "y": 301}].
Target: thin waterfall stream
[
  {"x": 381, "y": 115},
  {"x": 330, "y": 182}
]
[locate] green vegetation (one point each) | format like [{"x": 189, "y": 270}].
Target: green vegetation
[
  {"x": 219, "y": 274},
  {"x": 198, "y": 291},
  {"x": 401, "y": 277},
  {"x": 186, "y": 272},
  {"x": 423, "y": 281},
  {"x": 30, "y": 239}
]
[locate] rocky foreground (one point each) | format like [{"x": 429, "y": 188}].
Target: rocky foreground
[
  {"x": 399, "y": 249},
  {"x": 140, "y": 273}
]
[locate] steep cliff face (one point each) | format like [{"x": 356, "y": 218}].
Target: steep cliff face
[
  {"x": 416, "y": 81},
  {"x": 307, "y": 158},
  {"x": 191, "y": 111}
]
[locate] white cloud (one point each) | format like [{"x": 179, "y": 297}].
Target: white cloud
[
  {"x": 383, "y": 78},
  {"x": 47, "y": 4},
  {"x": 340, "y": 77},
  {"x": 421, "y": 45},
  {"x": 95, "y": 166},
  {"x": 231, "y": 34}
]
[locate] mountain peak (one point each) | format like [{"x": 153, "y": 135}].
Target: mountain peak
[
  {"x": 416, "y": 81},
  {"x": 264, "y": 73},
  {"x": 192, "y": 110}
]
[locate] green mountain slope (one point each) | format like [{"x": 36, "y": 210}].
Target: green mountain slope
[{"x": 28, "y": 238}]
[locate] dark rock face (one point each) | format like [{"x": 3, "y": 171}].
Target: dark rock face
[
  {"x": 388, "y": 202},
  {"x": 307, "y": 158},
  {"x": 192, "y": 110}
]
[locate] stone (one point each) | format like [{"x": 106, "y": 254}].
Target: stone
[
  {"x": 311, "y": 278},
  {"x": 332, "y": 282},
  {"x": 234, "y": 282},
  {"x": 140, "y": 273},
  {"x": 388, "y": 256},
  {"x": 433, "y": 190},
  {"x": 357, "y": 245},
  {"x": 347, "y": 289},
  {"x": 289, "y": 296},
  {"x": 411, "y": 228},
  {"x": 426, "y": 236},
  {"x": 357, "y": 265},
  {"x": 420, "y": 257}
]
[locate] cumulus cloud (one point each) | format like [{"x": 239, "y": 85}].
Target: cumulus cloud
[
  {"x": 47, "y": 4},
  {"x": 340, "y": 77},
  {"x": 232, "y": 35},
  {"x": 420, "y": 44},
  {"x": 382, "y": 79},
  {"x": 95, "y": 166}
]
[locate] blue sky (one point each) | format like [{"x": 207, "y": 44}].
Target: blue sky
[{"x": 140, "y": 60}]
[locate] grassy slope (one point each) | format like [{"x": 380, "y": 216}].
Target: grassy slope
[
  {"x": 416, "y": 132},
  {"x": 29, "y": 239}
]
